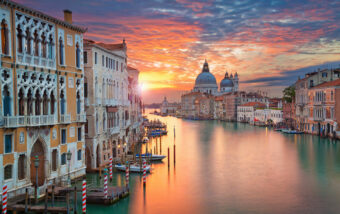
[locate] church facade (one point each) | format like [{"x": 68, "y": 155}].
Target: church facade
[{"x": 206, "y": 82}]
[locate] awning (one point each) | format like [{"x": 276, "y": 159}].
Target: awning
[{"x": 111, "y": 109}]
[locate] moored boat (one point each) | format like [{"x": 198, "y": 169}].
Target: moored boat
[
  {"x": 133, "y": 168},
  {"x": 289, "y": 131},
  {"x": 152, "y": 156}
]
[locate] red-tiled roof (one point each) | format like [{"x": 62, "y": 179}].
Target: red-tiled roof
[
  {"x": 328, "y": 84},
  {"x": 112, "y": 47},
  {"x": 255, "y": 104}
]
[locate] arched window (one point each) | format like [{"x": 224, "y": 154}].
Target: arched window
[
  {"x": 19, "y": 39},
  {"x": 52, "y": 102},
  {"x": 21, "y": 102},
  {"x": 62, "y": 103},
  {"x": 43, "y": 45},
  {"x": 6, "y": 102},
  {"x": 28, "y": 42},
  {"x": 29, "y": 102},
  {"x": 78, "y": 103},
  {"x": 37, "y": 103},
  {"x": 45, "y": 103},
  {"x": 77, "y": 55},
  {"x": 104, "y": 121},
  {"x": 61, "y": 51},
  {"x": 4, "y": 38},
  {"x": 97, "y": 130},
  {"x": 50, "y": 47},
  {"x": 36, "y": 43}
]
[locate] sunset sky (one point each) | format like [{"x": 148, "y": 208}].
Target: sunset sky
[{"x": 269, "y": 43}]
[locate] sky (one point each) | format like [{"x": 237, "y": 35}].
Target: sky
[{"x": 268, "y": 43}]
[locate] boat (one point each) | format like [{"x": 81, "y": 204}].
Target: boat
[
  {"x": 152, "y": 156},
  {"x": 289, "y": 131},
  {"x": 133, "y": 168},
  {"x": 278, "y": 130}
]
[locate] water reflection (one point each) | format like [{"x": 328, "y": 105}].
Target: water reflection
[{"x": 236, "y": 168}]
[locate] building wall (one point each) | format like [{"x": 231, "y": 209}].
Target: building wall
[{"x": 24, "y": 72}]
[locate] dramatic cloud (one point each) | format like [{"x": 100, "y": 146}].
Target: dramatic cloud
[{"x": 269, "y": 43}]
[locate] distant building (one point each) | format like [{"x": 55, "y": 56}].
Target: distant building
[
  {"x": 324, "y": 108},
  {"x": 246, "y": 112},
  {"x": 167, "y": 108}
]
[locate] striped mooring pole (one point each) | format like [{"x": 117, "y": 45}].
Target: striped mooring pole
[
  {"x": 84, "y": 196},
  {"x": 4, "y": 199},
  {"x": 144, "y": 172},
  {"x": 127, "y": 173},
  {"x": 105, "y": 183},
  {"x": 110, "y": 168}
]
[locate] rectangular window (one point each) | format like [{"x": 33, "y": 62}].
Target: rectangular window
[
  {"x": 63, "y": 159},
  {"x": 22, "y": 167},
  {"x": 117, "y": 66},
  {"x": 63, "y": 136},
  {"x": 79, "y": 133},
  {"x": 121, "y": 67},
  {"x": 107, "y": 62},
  {"x": 95, "y": 58},
  {"x": 79, "y": 154},
  {"x": 8, "y": 143},
  {"x": 103, "y": 59},
  {"x": 54, "y": 160},
  {"x": 8, "y": 172},
  {"x": 85, "y": 90},
  {"x": 113, "y": 64},
  {"x": 85, "y": 57}
]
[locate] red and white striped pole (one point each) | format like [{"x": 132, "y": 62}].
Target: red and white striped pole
[
  {"x": 110, "y": 168},
  {"x": 4, "y": 199},
  {"x": 84, "y": 196},
  {"x": 127, "y": 173},
  {"x": 105, "y": 183},
  {"x": 144, "y": 172}
]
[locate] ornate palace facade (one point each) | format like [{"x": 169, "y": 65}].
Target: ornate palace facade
[{"x": 42, "y": 114}]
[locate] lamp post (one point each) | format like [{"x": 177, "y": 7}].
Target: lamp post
[
  {"x": 68, "y": 156},
  {"x": 36, "y": 165}
]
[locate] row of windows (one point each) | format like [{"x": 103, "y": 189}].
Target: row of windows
[
  {"x": 8, "y": 170},
  {"x": 106, "y": 62},
  {"x": 8, "y": 146}
]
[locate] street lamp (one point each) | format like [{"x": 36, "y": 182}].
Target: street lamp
[
  {"x": 36, "y": 165},
  {"x": 68, "y": 156}
]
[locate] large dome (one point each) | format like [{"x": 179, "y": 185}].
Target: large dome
[
  {"x": 226, "y": 82},
  {"x": 205, "y": 78}
]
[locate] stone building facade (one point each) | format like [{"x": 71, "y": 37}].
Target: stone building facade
[{"x": 42, "y": 101}]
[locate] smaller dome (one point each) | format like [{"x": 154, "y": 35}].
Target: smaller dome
[{"x": 226, "y": 83}]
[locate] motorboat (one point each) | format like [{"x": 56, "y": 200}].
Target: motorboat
[
  {"x": 152, "y": 157},
  {"x": 133, "y": 168},
  {"x": 289, "y": 131}
]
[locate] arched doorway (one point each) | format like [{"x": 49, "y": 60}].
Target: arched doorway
[
  {"x": 88, "y": 160},
  {"x": 38, "y": 150},
  {"x": 98, "y": 156}
]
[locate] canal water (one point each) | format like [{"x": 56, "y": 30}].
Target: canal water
[{"x": 234, "y": 168}]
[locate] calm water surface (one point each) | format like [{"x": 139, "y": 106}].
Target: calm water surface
[{"x": 234, "y": 168}]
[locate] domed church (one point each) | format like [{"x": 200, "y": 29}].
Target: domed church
[{"x": 206, "y": 82}]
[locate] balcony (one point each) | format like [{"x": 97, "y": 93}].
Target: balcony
[
  {"x": 33, "y": 120},
  {"x": 81, "y": 118},
  {"x": 31, "y": 60},
  {"x": 65, "y": 118},
  {"x": 114, "y": 130},
  {"x": 110, "y": 102}
]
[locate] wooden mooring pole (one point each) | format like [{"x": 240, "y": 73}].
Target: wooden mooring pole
[
  {"x": 26, "y": 200},
  {"x": 174, "y": 154},
  {"x": 168, "y": 157},
  {"x": 46, "y": 200},
  {"x": 75, "y": 200},
  {"x": 53, "y": 195}
]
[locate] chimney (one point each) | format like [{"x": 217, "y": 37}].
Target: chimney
[{"x": 68, "y": 16}]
